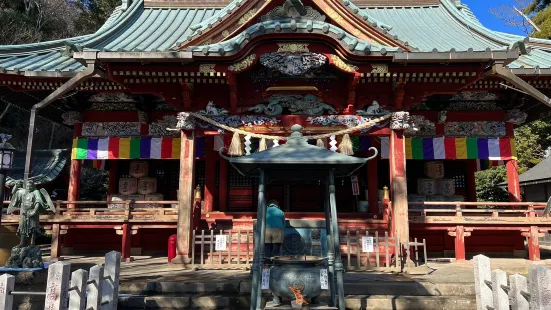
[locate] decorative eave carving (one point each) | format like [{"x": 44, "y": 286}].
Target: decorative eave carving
[
  {"x": 243, "y": 64},
  {"x": 293, "y": 64},
  {"x": 296, "y": 104},
  {"x": 72, "y": 117},
  {"x": 339, "y": 63},
  {"x": 288, "y": 11}
]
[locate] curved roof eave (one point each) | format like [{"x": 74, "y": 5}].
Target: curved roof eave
[
  {"x": 235, "y": 44},
  {"x": 199, "y": 28}
]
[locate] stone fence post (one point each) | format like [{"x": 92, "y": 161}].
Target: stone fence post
[
  {"x": 7, "y": 283},
  {"x": 497, "y": 295},
  {"x": 77, "y": 291},
  {"x": 94, "y": 288},
  {"x": 57, "y": 286},
  {"x": 110, "y": 289}
]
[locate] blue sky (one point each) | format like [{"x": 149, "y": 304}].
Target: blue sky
[{"x": 481, "y": 9}]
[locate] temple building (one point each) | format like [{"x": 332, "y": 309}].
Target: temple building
[{"x": 165, "y": 87}]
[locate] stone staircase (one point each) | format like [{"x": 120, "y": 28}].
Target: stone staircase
[{"x": 363, "y": 291}]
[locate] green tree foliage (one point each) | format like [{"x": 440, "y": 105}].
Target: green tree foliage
[
  {"x": 540, "y": 13},
  {"x": 43, "y": 20},
  {"x": 531, "y": 141}
]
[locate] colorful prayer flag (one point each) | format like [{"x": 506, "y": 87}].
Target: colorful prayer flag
[
  {"x": 455, "y": 148},
  {"x": 126, "y": 148}
]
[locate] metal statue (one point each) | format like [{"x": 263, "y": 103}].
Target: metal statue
[{"x": 30, "y": 202}]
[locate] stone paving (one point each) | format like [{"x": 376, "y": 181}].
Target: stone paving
[{"x": 147, "y": 268}]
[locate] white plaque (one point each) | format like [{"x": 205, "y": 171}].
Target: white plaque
[
  {"x": 266, "y": 279},
  {"x": 324, "y": 279},
  {"x": 367, "y": 244},
  {"x": 220, "y": 243}
]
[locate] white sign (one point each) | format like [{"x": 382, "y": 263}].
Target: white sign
[
  {"x": 367, "y": 244},
  {"x": 220, "y": 243},
  {"x": 324, "y": 279},
  {"x": 266, "y": 279}
]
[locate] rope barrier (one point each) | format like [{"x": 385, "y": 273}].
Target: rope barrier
[{"x": 281, "y": 138}]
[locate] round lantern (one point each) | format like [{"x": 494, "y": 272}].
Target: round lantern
[
  {"x": 426, "y": 187},
  {"x": 147, "y": 186},
  {"x": 128, "y": 186},
  {"x": 139, "y": 169},
  {"x": 446, "y": 187}
]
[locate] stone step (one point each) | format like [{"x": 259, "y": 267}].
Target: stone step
[
  {"x": 364, "y": 302},
  {"x": 402, "y": 288}
]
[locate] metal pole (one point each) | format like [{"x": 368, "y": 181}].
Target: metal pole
[
  {"x": 339, "y": 268},
  {"x": 330, "y": 249},
  {"x": 258, "y": 261},
  {"x": 2, "y": 190}
]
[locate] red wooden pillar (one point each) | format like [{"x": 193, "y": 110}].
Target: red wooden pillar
[
  {"x": 113, "y": 177},
  {"x": 185, "y": 198},
  {"x": 459, "y": 233},
  {"x": 398, "y": 191},
  {"x": 471, "y": 180},
  {"x": 74, "y": 172},
  {"x": 210, "y": 174},
  {"x": 373, "y": 185},
  {"x": 533, "y": 234},
  {"x": 223, "y": 186},
  {"x": 126, "y": 242},
  {"x": 513, "y": 185}
]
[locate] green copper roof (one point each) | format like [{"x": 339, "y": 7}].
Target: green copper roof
[
  {"x": 448, "y": 26},
  {"x": 46, "y": 166}
]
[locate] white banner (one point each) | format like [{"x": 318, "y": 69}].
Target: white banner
[
  {"x": 324, "y": 279},
  {"x": 367, "y": 244},
  {"x": 220, "y": 243},
  {"x": 266, "y": 279}
]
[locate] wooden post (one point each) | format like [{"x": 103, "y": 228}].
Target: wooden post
[
  {"x": 74, "y": 171},
  {"x": 55, "y": 251},
  {"x": 398, "y": 189},
  {"x": 330, "y": 248},
  {"x": 185, "y": 198},
  {"x": 513, "y": 185},
  {"x": 94, "y": 288},
  {"x": 57, "y": 286},
  {"x": 77, "y": 291},
  {"x": 533, "y": 236},
  {"x": 539, "y": 279},
  {"x": 373, "y": 185},
  {"x": 459, "y": 233},
  {"x": 126, "y": 241},
  {"x": 210, "y": 174},
  {"x": 7, "y": 283},
  {"x": 482, "y": 274},
  {"x": 113, "y": 177},
  {"x": 471, "y": 180},
  {"x": 110, "y": 289},
  {"x": 223, "y": 186},
  {"x": 74, "y": 182}
]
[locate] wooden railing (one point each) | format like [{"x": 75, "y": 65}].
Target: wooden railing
[
  {"x": 97, "y": 211},
  {"x": 471, "y": 209}
]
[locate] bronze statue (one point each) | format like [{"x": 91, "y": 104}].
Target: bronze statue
[{"x": 30, "y": 202}]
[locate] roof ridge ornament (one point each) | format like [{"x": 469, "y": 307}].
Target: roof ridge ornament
[{"x": 289, "y": 10}]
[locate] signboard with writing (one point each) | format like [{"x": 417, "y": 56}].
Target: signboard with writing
[
  {"x": 355, "y": 186},
  {"x": 367, "y": 244},
  {"x": 324, "y": 279},
  {"x": 265, "y": 279},
  {"x": 220, "y": 243}
]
